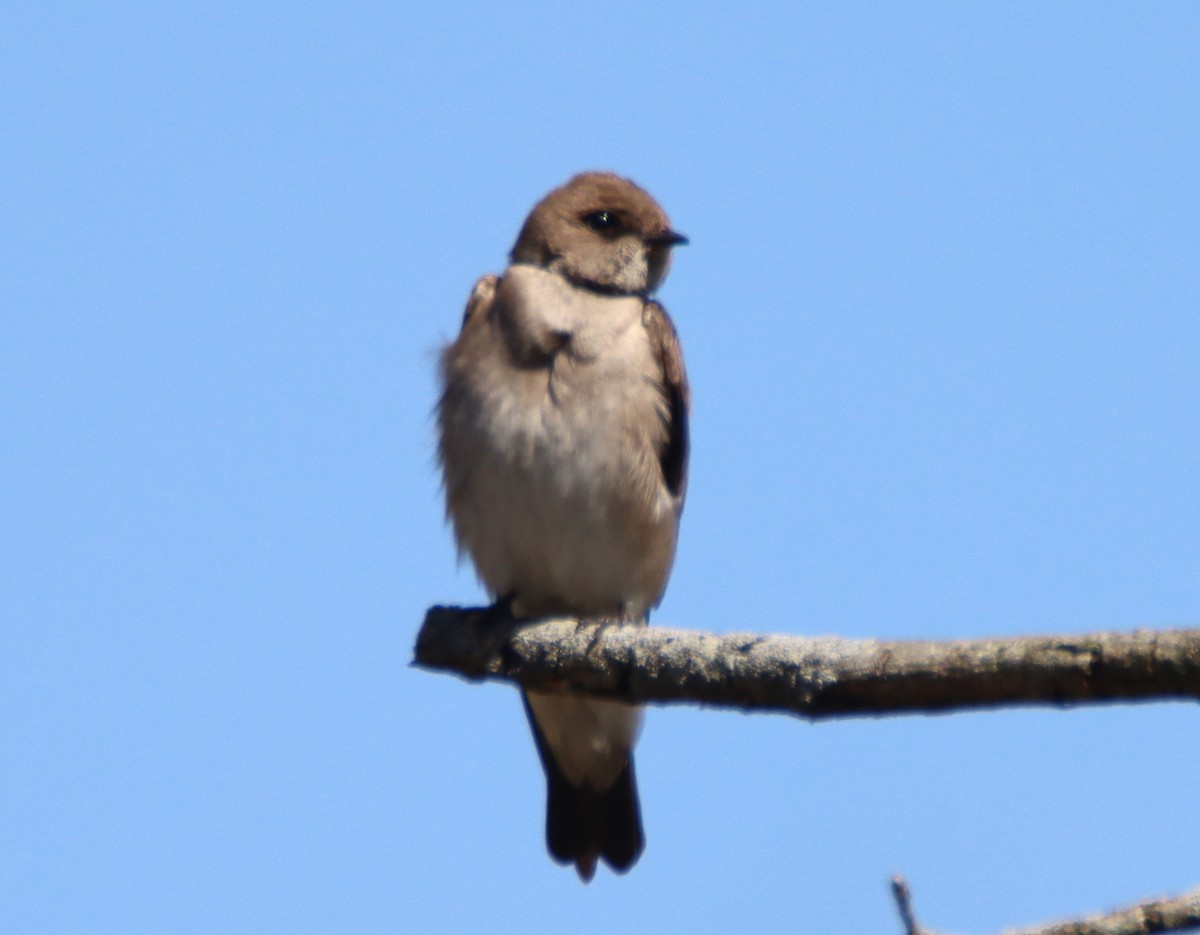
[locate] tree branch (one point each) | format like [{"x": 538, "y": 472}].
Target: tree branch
[
  {"x": 903, "y": 896},
  {"x": 815, "y": 677},
  {"x": 1173, "y": 914}
]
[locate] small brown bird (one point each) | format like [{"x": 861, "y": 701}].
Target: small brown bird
[{"x": 564, "y": 446}]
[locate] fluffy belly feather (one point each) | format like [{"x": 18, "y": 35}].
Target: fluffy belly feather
[{"x": 566, "y": 507}]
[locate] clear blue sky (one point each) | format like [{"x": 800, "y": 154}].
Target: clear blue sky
[{"x": 941, "y": 315}]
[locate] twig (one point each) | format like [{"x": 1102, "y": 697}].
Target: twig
[
  {"x": 815, "y": 677},
  {"x": 903, "y": 897},
  {"x": 1174, "y": 914}
]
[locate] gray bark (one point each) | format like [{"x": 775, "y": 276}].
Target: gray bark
[
  {"x": 814, "y": 677},
  {"x": 1172, "y": 914}
]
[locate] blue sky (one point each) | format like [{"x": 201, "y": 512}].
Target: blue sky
[{"x": 940, "y": 313}]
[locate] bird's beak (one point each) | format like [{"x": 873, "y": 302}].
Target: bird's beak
[{"x": 668, "y": 238}]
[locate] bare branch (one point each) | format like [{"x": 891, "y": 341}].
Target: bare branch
[
  {"x": 903, "y": 896},
  {"x": 815, "y": 677},
  {"x": 1173, "y": 914}
]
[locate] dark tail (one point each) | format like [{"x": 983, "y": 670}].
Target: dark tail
[{"x": 583, "y": 824}]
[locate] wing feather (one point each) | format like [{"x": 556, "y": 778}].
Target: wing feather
[{"x": 664, "y": 341}]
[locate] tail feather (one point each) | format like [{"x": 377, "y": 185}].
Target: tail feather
[{"x": 583, "y": 824}]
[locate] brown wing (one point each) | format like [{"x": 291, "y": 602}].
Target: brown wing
[
  {"x": 665, "y": 343},
  {"x": 456, "y": 356},
  {"x": 480, "y": 302},
  {"x": 457, "y": 410}
]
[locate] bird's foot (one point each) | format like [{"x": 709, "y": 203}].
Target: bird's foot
[
  {"x": 602, "y": 625},
  {"x": 500, "y": 612}
]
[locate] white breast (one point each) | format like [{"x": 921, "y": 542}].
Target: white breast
[{"x": 565, "y": 502}]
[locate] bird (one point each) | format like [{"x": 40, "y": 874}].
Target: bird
[{"x": 563, "y": 442}]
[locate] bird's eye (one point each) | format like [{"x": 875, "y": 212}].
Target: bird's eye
[{"x": 601, "y": 220}]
